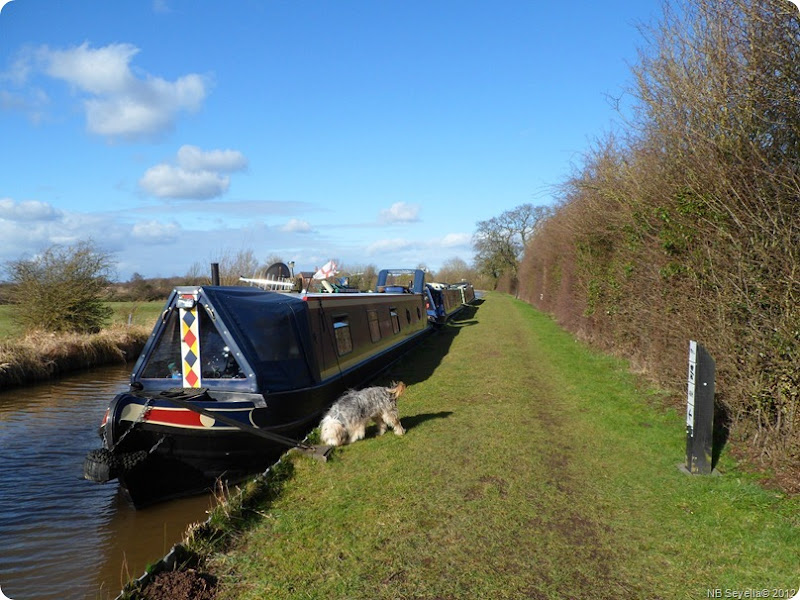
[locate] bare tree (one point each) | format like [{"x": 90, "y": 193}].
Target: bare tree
[
  {"x": 363, "y": 277},
  {"x": 500, "y": 241},
  {"x": 232, "y": 265},
  {"x": 454, "y": 270}
]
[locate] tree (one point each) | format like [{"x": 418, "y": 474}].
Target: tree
[
  {"x": 62, "y": 289},
  {"x": 232, "y": 265},
  {"x": 363, "y": 277},
  {"x": 272, "y": 259},
  {"x": 141, "y": 289},
  {"x": 454, "y": 270},
  {"x": 500, "y": 241}
]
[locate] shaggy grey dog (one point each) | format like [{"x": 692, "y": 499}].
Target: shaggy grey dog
[{"x": 346, "y": 421}]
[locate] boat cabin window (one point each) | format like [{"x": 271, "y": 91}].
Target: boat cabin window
[
  {"x": 395, "y": 320},
  {"x": 341, "y": 330},
  {"x": 408, "y": 316},
  {"x": 216, "y": 358},
  {"x": 374, "y": 326},
  {"x": 399, "y": 283},
  {"x": 165, "y": 361}
]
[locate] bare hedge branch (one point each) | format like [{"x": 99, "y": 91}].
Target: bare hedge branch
[{"x": 688, "y": 227}]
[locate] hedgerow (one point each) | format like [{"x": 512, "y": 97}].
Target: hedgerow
[{"x": 687, "y": 226}]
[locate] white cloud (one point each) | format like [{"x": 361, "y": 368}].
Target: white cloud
[
  {"x": 297, "y": 226},
  {"x": 28, "y": 99},
  {"x": 400, "y": 212},
  {"x": 384, "y": 246},
  {"x": 193, "y": 158},
  {"x": 27, "y": 210},
  {"x": 97, "y": 71},
  {"x": 408, "y": 252},
  {"x": 167, "y": 181},
  {"x": 161, "y": 7},
  {"x": 197, "y": 175},
  {"x": 20, "y": 69},
  {"x": 28, "y": 227},
  {"x": 452, "y": 240},
  {"x": 155, "y": 232},
  {"x": 231, "y": 209},
  {"x": 118, "y": 103},
  {"x": 32, "y": 102},
  {"x": 12, "y": 101}
]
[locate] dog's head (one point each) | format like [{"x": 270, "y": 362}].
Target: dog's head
[{"x": 397, "y": 388}]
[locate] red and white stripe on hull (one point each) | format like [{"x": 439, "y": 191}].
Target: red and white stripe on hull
[{"x": 184, "y": 419}]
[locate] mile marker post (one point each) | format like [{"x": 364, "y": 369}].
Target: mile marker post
[{"x": 699, "y": 411}]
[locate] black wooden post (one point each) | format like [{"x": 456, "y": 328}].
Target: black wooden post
[
  {"x": 700, "y": 411},
  {"x": 214, "y": 273}
]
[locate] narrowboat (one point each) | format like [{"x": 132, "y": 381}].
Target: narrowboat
[
  {"x": 232, "y": 375},
  {"x": 467, "y": 291},
  {"x": 446, "y": 300}
]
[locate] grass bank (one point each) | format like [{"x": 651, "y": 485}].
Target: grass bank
[
  {"x": 531, "y": 468},
  {"x": 38, "y": 356}
]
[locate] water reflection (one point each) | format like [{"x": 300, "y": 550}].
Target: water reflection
[{"x": 62, "y": 536}]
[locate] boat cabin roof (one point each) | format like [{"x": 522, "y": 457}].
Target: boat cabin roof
[{"x": 247, "y": 339}]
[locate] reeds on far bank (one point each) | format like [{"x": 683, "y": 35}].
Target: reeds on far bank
[{"x": 39, "y": 355}]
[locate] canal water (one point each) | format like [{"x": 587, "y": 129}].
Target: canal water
[{"x": 61, "y": 536}]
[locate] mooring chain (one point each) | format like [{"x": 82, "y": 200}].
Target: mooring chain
[
  {"x": 142, "y": 416},
  {"x": 105, "y": 464},
  {"x": 157, "y": 444}
]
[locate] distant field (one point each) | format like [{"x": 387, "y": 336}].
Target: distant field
[
  {"x": 140, "y": 313},
  {"x": 7, "y": 328}
]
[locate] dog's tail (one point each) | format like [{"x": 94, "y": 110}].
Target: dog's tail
[{"x": 398, "y": 387}]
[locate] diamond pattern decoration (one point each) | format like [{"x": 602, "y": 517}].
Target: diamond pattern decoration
[
  {"x": 190, "y": 347},
  {"x": 192, "y": 379}
]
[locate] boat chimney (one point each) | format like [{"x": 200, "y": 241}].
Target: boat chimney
[{"x": 214, "y": 273}]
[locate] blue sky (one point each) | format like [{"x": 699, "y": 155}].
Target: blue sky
[{"x": 172, "y": 132}]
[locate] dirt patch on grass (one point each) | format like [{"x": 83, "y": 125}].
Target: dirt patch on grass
[
  {"x": 182, "y": 585},
  {"x": 485, "y": 483}
]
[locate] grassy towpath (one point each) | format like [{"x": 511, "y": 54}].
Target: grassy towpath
[{"x": 531, "y": 468}]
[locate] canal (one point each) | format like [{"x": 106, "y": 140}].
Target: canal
[{"x": 62, "y": 536}]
